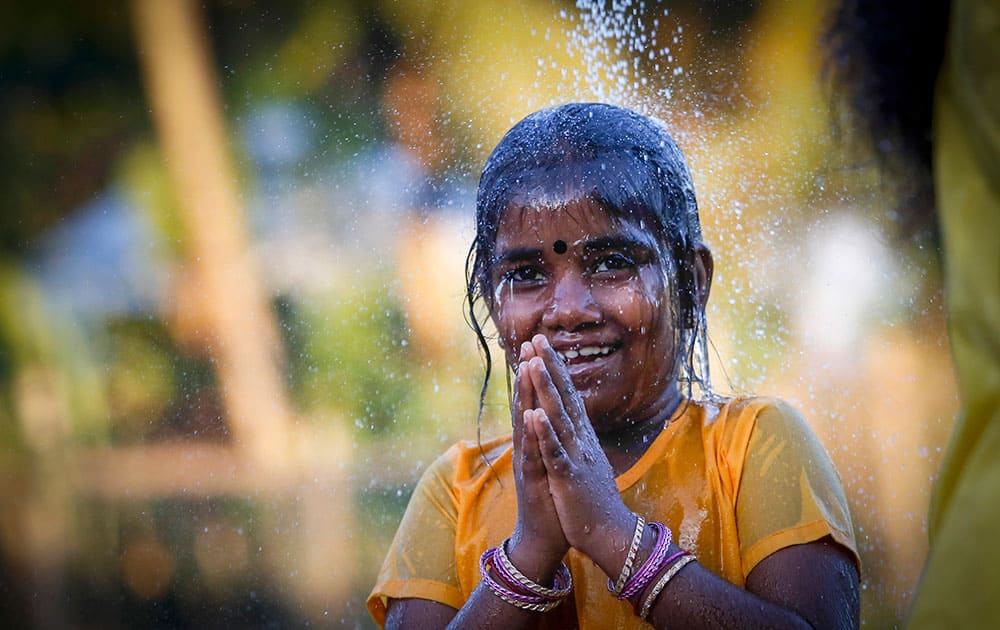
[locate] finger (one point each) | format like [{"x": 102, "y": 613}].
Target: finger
[
  {"x": 524, "y": 398},
  {"x": 553, "y": 454},
  {"x": 524, "y": 391},
  {"x": 549, "y": 399},
  {"x": 523, "y": 394},
  {"x": 532, "y": 482},
  {"x": 572, "y": 401},
  {"x": 533, "y": 467},
  {"x": 527, "y": 458}
]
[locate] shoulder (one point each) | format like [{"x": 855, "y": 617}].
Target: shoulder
[
  {"x": 751, "y": 407},
  {"x": 469, "y": 460},
  {"x": 732, "y": 424},
  {"x": 739, "y": 415},
  {"x": 455, "y": 477}
]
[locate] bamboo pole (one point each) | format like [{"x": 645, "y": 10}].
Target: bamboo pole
[{"x": 186, "y": 106}]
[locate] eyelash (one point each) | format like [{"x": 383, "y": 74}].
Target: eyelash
[
  {"x": 511, "y": 275},
  {"x": 618, "y": 262},
  {"x": 608, "y": 263}
]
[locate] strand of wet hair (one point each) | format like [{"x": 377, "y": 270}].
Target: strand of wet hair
[{"x": 471, "y": 298}]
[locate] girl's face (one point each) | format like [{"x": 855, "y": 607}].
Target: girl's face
[{"x": 597, "y": 289}]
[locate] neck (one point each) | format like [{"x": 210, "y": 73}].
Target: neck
[{"x": 632, "y": 437}]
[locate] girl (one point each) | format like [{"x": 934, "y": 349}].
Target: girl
[{"x": 619, "y": 498}]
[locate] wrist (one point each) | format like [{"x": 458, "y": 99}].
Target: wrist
[
  {"x": 611, "y": 550},
  {"x": 535, "y": 561}
]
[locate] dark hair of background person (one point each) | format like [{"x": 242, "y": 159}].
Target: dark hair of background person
[{"x": 882, "y": 59}]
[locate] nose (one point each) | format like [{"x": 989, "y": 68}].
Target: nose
[{"x": 571, "y": 305}]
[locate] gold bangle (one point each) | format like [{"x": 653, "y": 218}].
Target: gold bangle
[
  {"x": 616, "y": 588},
  {"x": 647, "y": 604}
]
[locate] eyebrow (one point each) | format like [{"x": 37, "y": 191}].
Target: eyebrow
[
  {"x": 616, "y": 241},
  {"x": 598, "y": 244},
  {"x": 518, "y": 254}
]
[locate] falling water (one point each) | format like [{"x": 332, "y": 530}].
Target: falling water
[
  {"x": 810, "y": 301},
  {"x": 619, "y": 51},
  {"x": 805, "y": 280}
]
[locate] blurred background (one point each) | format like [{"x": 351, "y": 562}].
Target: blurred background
[{"x": 231, "y": 280}]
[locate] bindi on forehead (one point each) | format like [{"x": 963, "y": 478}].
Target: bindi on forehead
[{"x": 559, "y": 246}]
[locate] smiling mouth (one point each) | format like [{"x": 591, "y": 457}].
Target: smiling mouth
[{"x": 585, "y": 353}]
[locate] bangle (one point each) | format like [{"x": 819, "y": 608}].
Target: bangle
[
  {"x": 527, "y": 601},
  {"x": 653, "y": 564},
  {"x": 508, "y": 572},
  {"x": 514, "y": 601},
  {"x": 647, "y": 604},
  {"x": 618, "y": 586}
]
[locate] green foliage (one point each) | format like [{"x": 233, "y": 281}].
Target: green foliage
[
  {"x": 50, "y": 387},
  {"x": 145, "y": 181},
  {"x": 155, "y": 388},
  {"x": 355, "y": 357}
]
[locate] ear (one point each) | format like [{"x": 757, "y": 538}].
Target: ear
[{"x": 704, "y": 265}]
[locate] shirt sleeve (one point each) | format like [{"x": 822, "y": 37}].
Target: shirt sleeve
[
  {"x": 421, "y": 560},
  {"x": 789, "y": 491}
]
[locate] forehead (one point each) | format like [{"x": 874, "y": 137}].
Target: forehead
[{"x": 539, "y": 224}]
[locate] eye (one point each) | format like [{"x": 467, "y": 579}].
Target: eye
[
  {"x": 523, "y": 274},
  {"x": 613, "y": 262}
]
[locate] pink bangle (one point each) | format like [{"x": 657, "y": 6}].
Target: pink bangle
[
  {"x": 509, "y": 573},
  {"x": 653, "y": 564},
  {"x": 528, "y": 601}
]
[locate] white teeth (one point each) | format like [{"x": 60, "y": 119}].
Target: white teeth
[{"x": 588, "y": 351}]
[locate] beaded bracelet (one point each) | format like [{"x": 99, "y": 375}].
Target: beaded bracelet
[
  {"x": 653, "y": 564},
  {"x": 647, "y": 603},
  {"x": 533, "y": 600},
  {"x": 617, "y": 586}
]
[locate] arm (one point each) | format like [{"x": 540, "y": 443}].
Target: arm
[
  {"x": 482, "y": 610},
  {"x": 810, "y": 585},
  {"x": 814, "y": 585},
  {"x": 536, "y": 546}
]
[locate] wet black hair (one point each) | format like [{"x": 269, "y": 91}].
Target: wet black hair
[
  {"x": 627, "y": 163},
  {"x": 882, "y": 60}
]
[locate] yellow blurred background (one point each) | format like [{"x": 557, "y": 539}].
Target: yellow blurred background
[{"x": 231, "y": 281}]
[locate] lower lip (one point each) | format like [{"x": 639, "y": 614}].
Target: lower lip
[{"x": 584, "y": 369}]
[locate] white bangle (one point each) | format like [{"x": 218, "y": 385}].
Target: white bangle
[
  {"x": 619, "y": 585},
  {"x": 647, "y": 604}
]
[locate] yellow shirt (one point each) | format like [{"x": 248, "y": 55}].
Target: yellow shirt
[
  {"x": 735, "y": 482},
  {"x": 961, "y": 583}
]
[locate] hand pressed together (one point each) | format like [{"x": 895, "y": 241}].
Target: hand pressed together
[{"x": 563, "y": 477}]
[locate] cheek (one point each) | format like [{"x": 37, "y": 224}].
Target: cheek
[
  {"x": 640, "y": 305},
  {"x": 516, "y": 320}
]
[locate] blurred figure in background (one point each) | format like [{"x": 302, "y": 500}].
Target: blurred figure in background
[
  {"x": 924, "y": 84},
  {"x": 430, "y": 256}
]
